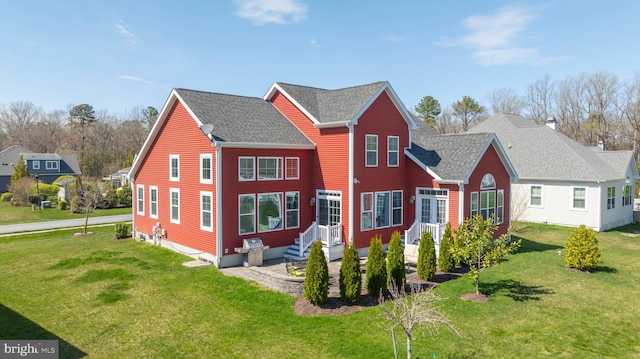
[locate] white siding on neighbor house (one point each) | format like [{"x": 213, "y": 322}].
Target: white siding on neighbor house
[
  {"x": 619, "y": 215},
  {"x": 557, "y": 204}
]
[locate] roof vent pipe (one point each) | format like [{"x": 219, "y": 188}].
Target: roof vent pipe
[{"x": 551, "y": 122}]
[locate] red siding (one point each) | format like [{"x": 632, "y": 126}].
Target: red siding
[
  {"x": 329, "y": 163},
  {"x": 382, "y": 119},
  {"x": 179, "y": 135},
  {"x": 233, "y": 187},
  {"x": 490, "y": 163}
]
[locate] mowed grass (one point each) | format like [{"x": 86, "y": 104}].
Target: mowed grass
[
  {"x": 14, "y": 215},
  {"x": 105, "y": 299}
]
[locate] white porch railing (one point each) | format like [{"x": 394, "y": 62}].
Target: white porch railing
[
  {"x": 412, "y": 235},
  {"x": 329, "y": 235}
]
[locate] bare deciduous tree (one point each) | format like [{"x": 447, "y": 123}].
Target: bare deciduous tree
[
  {"x": 539, "y": 99},
  {"x": 506, "y": 100}
]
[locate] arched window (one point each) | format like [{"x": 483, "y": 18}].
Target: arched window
[{"x": 488, "y": 182}]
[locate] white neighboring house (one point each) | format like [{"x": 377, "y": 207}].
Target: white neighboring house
[{"x": 561, "y": 181}]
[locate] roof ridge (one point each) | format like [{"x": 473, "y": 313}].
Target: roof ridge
[{"x": 218, "y": 93}]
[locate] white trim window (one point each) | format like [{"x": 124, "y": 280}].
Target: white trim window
[
  {"x": 383, "y": 209},
  {"x": 627, "y": 195},
  {"x": 153, "y": 202},
  {"x": 51, "y": 165},
  {"x": 293, "y": 210},
  {"x": 269, "y": 212},
  {"x": 206, "y": 171},
  {"x": 292, "y": 168},
  {"x": 174, "y": 205},
  {"x": 269, "y": 168},
  {"x": 487, "y": 204},
  {"x": 246, "y": 214},
  {"x": 206, "y": 211},
  {"x": 246, "y": 168},
  {"x": 579, "y": 198},
  {"x": 396, "y": 208},
  {"x": 535, "y": 199},
  {"x": 371, "y": 150},
  {"x": 500, "y": 207},
  {"x": 174, "y": 168},
  {"x": 393, "y": 151},
  {"x": 473, "y": 205},
  {"x": 611, "y": 197},
  {"x": 35, "y": 165},
  {"x": 140, "y": 199},
  {"x": 366, "y": 211}
]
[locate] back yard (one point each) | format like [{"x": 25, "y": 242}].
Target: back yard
[{"x": 124, "y": 299}]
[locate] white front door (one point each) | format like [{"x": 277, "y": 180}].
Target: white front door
[
  {"x": 328, "y": 208},
  {"x": 431, "y": 207}
]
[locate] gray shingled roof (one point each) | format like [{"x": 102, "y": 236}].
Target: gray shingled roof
[
  {"x": 332, "y": 105},
  {"x": 539, "y": 152},
  {"x": 41, "y": 156},
  {"x": 451, "y": 157},
  {"x": 72, "y": 161},
  {"x": 9, "y": 156},
  {"x": 240, "y": 119}
]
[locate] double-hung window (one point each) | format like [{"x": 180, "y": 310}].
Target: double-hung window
[
  {"x": 611, "y": 197},
  {"x": 247, "y": 213},
  {"x": 174, "y": 205},
  {"x": 269, "y": 168},
  {"x": 206, "y": 211},
  {"x": 246, "y": 168},
  {"x": 500, "y": 207},
  {"x": 174, "y": 168},
  {"x": 140, "y": 199},
  {"x": 36, "y": 165},
  {"x": 487, "y": 203},
  {"x": 382, "y": 209},
  {"x": 371, "y": 151},
  {"x": 396, "y": 208},
  {"x": 579, "y": 198},
  {"x": 293, "y": 210},
  {"x": 474, "y": 204},
  {"x": 292, "y": 168},
  {"x": 536, "y": 196},
  {"x": 366, "y": 210},
  {"x": 153, "y": 202},
  {"x": 393, "y": 151},
  {"x": 51, "y": 165},
  {"x": 627, "y": 198},
  {"x": 206, "y": 171}
]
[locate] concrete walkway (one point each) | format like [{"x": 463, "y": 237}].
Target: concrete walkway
[{"x": 66, "y": 223}]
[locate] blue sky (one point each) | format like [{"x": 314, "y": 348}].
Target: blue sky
[{"x": 115, "y": 55}]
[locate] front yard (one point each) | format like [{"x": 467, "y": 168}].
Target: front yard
[{"x": 106, "y": 299}]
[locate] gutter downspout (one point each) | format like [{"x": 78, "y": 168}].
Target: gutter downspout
[
  {"x": 218, "y": 220},
  {"x": 351, "y": 185}
]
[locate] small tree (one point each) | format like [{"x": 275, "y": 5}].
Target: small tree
[
  {"x": 22, "y": 189},
  {"x": 582, "y": 251},
  {"x": 446, "y": 262},
  {"x": 316, "y": 280},
  {"x": 350, "y": 275},
  {"x": 88, "y": 197},
  {"x": 477, "y": 247},
  {"x": 376, "y": 269},
  {"x": 411, "y": 311},
  {"x": 395, "y": 260},
  {"x": 426, "y": 257},
  {"x": 125, "y": 195},
  {"x": 19, "y": 170}
]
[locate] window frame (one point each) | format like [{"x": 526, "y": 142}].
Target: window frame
[
  {"x": 55, "y": 165},
  {"x": 35, "y": 165},
  {"x": 171, "y": 205},
  {"x": 281, "y": 225},
  {"x": 287, "y": 167},
  {"x": 287, "y": 210},
  {"x": 367, "y": 151},
  {"x": 152, "y": 213},
  {"x": 627, "y": 195},
  {"x": 203, "y": 157},
  {"x": 573, "y": 198},
  {"x": 140, "y": 199},
  {"x": 278, "y": 168},
  {"x": 531, "y": 196},
  {"x": 173, "y": 178},
  {"x": 396, "y": 208},
  {"x": 388, "y": 203},
  {"x": 240, "y": 168},
  {"x": 474, "y": 208},
  {"x": 364, "y": 211},
  {"x": 396, "y": 151},
  {"x": 611, "y": 197},
  {"x": 499, "y": 216},
  {"x": 489, "y": 209},
  {"x": 252, "y": 214},
  {"x": 210, "y": 211}
]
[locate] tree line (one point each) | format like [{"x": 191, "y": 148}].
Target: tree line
[
  {"x": 589, "y": 108},
  {"x": 103, "y": 142}
]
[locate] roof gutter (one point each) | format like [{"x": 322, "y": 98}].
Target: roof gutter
[
  {"x": 283, "y": 146},
  {"x": 332, "y": 124}
]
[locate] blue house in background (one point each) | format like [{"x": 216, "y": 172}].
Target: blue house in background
[{"x": 47, "y": 166}]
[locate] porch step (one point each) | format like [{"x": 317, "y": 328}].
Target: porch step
[{"x": 293, "y": 252}]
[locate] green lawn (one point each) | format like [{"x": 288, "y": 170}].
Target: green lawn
[
  {"x": 13, "y": 215},
  {"x": 125, "y": 299}
]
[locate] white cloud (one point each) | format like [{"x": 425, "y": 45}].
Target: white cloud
[
  {"x": 391, "y": 38},
  {"x": 128, "y": 36},
  {"x": 314, "y": 43},
  {"x": 136, "y": 79},
  {"x": 260, "y": 12},
  {"x": 493, "y": 38}
]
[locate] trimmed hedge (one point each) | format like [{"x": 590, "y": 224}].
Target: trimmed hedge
[
  {"x": 376, "y": 269},
  {"x": 316, "y": 280},
  {"x": 446, "y": 261},
  {"x": 350, "y": 275},
  {"x": 395, "y": 261},
  {"x": 426, "y": 257}
]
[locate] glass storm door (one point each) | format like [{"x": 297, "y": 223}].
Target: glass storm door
[{"x": 328, "y": 209}]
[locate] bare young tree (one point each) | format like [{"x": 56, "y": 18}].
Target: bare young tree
[
  {"x": 90, "y": 197},
  {"x": 413, "y": 310},
  {"x": 506, "y": 100},
  {"x": 519, "y": 204}
]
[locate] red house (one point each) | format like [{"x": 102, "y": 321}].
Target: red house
[{"x": 304, "y": 164}]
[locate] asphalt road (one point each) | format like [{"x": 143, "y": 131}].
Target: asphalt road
[{"x": 66, "y": 223}]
